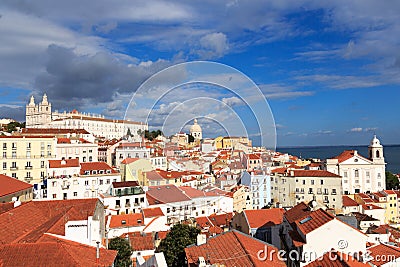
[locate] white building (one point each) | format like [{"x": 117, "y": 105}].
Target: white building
[
  {"x": 41, "y": 116},
  {"x": 181, "y": 203},
  {"x": 93, "y": 178},
  {"x": 260, "y": 186},
  {"x": 124, "y": 197},
  {"x": 127, "y": 150},
  {"x": 71, "y": 148},
  {"x": 360, "y": 174}
]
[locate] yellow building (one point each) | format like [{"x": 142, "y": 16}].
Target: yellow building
[
  {"x": 132, "y": 169},
  {"x": 229, "y": 142},
  {"x": 242, "y": 198},
  {"x": 25, "y": 157},
  {"x": 391, "y": 206}
]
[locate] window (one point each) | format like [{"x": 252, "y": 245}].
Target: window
[
  {"x": 4, "y": 165},
  {"x": 14, "y": 175},
  {"x": 84, "y": 159},
  {"x": 310, "y": 190},
  {"x": 86, "y": 182},
  {"x": 4, "y": 145},
  {"x": 108, "y": 181},
  {"x": 100, "y": 182},
  {"x": 14, "y": 145},
  {"x": 379, "y": 175},
  {"x": 90, "y": 158},
  {"x": 28, "y": 174},
  {"x": 312, "y": 182},
  {"x": 4, "y": 155},
  {"x": 333, "y": 191},
  {"x": 322, "y": 182},
  {"x": 367, "y": 173},
  {"x": 345, "y": 174},
  {"x": 54, "y": 195},
  {"x": 42, "y": 164},
  {"x": 28, "y": 154},
  {"x": 356, "y": 173},
  {"x": 14, "y": 154},
  {"x": 304, "y": 181},
  {"x": 28, "y": 145}
]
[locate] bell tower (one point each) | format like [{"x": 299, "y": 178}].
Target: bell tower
[{"x": 375, "y": 150}]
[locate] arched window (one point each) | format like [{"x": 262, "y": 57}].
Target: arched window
[{"x": 377, "y": 154}]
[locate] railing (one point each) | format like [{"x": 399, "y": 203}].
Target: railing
[
  {"x": 65, "y": 186},
  {"x": 13, "y": 168},
  {"x": 28, "y": 167},
  {"x": 28, "y": 178}
]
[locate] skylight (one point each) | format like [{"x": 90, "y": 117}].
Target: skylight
[{"x": 305, "y": 220}]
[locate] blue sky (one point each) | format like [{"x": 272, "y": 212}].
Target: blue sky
[{"x": 329, "y": 71}]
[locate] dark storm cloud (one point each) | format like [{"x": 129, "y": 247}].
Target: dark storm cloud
[
  {"x": 71, "y": 80},
  {"x": 16, "y": 113}
]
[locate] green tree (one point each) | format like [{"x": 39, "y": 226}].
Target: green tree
[
  {"x": 123, "y": 247},
  {"x": 128, "y": 133},
  {"x": 392, "y": 182},
  {"x": 191, "y": 138},
  {"x": 12, "y": 126},
  {"x": 173, "y": 246}
]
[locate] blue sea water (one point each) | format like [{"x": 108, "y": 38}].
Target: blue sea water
[{"x": 391, "y": 153}]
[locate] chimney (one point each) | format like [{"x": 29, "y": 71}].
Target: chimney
[
  {"x": 201, "y": 239},
  {"x": 97, "y": 252},
  {"x": 355, "y": 153}
]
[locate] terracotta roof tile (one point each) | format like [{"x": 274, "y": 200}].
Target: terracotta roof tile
[
  {"x": 336, "y": 259},
  {"x": 152, "y": 212},
  {"x": 264, "y": 217},
  {"x": 67, "y": 163},
  {"x": 232, "y": 248},
  {"x": 95, "y": 166},
  {"x": 314, "y": 173},
  {"x": 140, "y": 241},
  {"x": 126, "y": 220},
  {"x": 54, "y": 250},
  {"x": 125, "y": 184},
  {"x": 313, "y": 221},
  {"x": 299, "y": 211},
  {"x": 347, "y": 154},
  {"x": 30, "y": 221},
  {"x": 348, "y": 202},
  {"x": 384, "y": 253},
  {"x": 129, "y": 160},
  {"x": 9, "y": 185},
  {"x": 53, "y": 131}
]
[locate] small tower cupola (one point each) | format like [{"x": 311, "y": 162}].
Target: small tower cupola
[{"x": 375, "y": 150}]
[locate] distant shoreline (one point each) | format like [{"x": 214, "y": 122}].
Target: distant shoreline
[{"x": 285, "y": 147}]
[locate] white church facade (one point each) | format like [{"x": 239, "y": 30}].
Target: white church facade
[
  {"x": 360, "y": 174},
  {"x": 41, "y": 116}
]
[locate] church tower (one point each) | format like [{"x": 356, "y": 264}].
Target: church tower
[
  {"x": 195, "y": 131},
  {"x": 30, "y": 113},
  {"x": 375, "y": 150},
  {"x": 45, "y": 111}
]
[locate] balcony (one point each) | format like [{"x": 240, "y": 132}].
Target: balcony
[
  {"x": 28, "y": 178},
  {"x": 28, "y": 167},
  {"x": 65, "y": 186},
  {"x": 128, "y": 205},
  {"x": 13, "y": 168},
  {"x": 326, "y": 193}
]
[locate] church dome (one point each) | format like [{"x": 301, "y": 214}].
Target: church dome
[
  {"x": 195, "y": 127},
  {"x": 375, "y": 142}
]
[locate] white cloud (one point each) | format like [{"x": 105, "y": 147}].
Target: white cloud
[{"x": 356, "y": 130}]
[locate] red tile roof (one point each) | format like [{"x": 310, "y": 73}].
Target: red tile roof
[
  {"x": 129, "y": 160},
  {"x": 232, "y": 248},
  {"x": 336, "y": 259},
  {"x": 126, "y": 220},
  {"x": 4, "y": 207},
  {"x": 54, "y": 251},
  {"x": 348, "y": 202},
  {"x": 152, "y": 212},
  {"x": 313, "y": 221},
  {"x": 347, "y": 154},
  {"x": 314, "y": 173},
  {"x": 28, "y": 222},
  {"x": 383, "y": 254},
  {"x": 253, "y": 156},
  {"x": 53, "y": 131},
  {"x": 9, "y": 185},
  {"x": 63, "y": 140},
  {"x": 125, "y": 184},
  {"x": 140, "y": 241},
  {"x": 264, "y": 217},
  {"x": 297, "y": 212},
  {"x": 165, "y": 194},
  {"x": 67, "y": 163},
  {"x": 95, "y": 166},
  {"x": 214, "y": 220}
]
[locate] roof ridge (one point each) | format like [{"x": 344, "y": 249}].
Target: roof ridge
[{"x": 247, "y": 253}]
